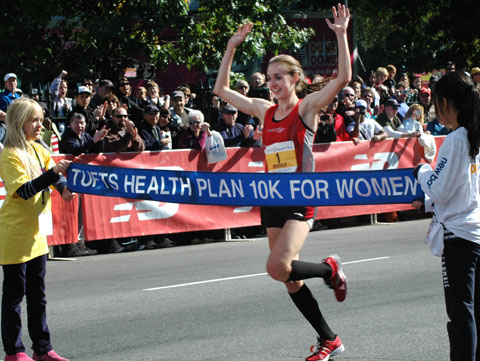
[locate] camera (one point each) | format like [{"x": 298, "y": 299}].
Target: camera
[
  {"x": 324, "y": 117},
  {"x": 361, "y": 111}
]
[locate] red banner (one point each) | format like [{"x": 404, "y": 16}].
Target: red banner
[{"x": 106, "y": 217}]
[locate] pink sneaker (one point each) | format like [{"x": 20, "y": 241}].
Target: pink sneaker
[
  {"x": 19, "y": 356},
  {"x": 325, "y": 349},
  {"x": 49, "y": 356},
  {"x": 338, "y": 281}
]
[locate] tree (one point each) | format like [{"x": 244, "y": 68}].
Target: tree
[
  {"x": 101, "y": 38},
  {"x": 421, "y": 36}
]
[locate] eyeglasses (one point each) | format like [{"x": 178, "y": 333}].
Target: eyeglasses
[{"x": 121, "y": 116}]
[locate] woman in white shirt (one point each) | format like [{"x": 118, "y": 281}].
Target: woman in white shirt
[{"x": 453, "y": 188}]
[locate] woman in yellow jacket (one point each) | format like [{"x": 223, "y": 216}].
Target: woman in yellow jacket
[{"x": 27, "y": 171}]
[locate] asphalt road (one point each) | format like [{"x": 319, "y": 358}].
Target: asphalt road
[{"x": 214, "y": 301}]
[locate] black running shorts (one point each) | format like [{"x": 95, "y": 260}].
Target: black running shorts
[{"x": 276, "y": 217}]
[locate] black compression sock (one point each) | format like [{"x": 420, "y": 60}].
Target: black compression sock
[
  {"x": 304, "y": 270},
  {"x": 308, "y": 306}
]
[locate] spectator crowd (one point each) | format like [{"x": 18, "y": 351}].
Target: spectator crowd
[{"x": 105, "y": 117}]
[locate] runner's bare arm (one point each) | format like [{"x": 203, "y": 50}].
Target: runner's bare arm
[
  {"x": 314, "y": 102},
  {"x": 253, "y": 106}
]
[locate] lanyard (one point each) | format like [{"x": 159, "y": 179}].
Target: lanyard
[{"x": 42, "y": 168}]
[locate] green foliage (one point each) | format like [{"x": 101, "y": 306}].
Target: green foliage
[
  {"x": 100, "y": 38},
  {"x": 418, "y": 35}
]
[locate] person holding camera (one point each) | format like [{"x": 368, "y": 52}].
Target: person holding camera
[
  {"x": 331, "y": 126},
  {"x": 365, "y": 128}
]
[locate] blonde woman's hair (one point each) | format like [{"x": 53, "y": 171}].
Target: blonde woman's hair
[
  {"x": 152, "y": 84},
  {"x": 19, "y": 112},
  {"x": 381, "y": 70},
  {"x": 413, "y": 108},
  {"x": 293, "y": 66}
]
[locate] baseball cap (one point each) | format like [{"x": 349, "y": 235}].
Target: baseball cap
[
  {"x": 84, "y": 89},
  {"x": 8, "y": 76},
  {"x": 150, "y": 108},
  {"x": 361, "y": 104},
  {"x": 228, "y": 108},
  {"x": 178, "y": 94},
  {"x": 392, "y": 103},
  {"x": 425, "y": 90},
  {"x": 475, "y": 70}
]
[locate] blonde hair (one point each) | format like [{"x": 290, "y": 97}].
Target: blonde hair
[
  {"x": 381, "y": 70},
  {"x": 19, "y": 112},
  {"x": 413, "y": 108},
  {"x": 293, "y": 66}
]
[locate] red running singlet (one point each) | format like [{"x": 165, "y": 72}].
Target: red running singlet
[{"x": 293, "y": 128}]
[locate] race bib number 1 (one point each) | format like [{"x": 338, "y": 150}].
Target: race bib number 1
[{"x": 281, "y": 158}]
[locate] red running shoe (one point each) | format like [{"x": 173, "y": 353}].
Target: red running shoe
[
  {"x": 325, "y": 349},
  {"x": 19, "y": 356},
  {"x": 49, "y": 356},
  {"x": 338, "y": 280}
]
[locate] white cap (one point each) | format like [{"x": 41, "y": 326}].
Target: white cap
[
  {"x": 84, "y": 89},
  {"x": 361, "y": 104},
  {"x": 8, "y": 76}
]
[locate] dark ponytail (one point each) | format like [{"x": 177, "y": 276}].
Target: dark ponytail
[{"x": 459, "y": 90}]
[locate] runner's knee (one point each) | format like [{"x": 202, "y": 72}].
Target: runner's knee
[{"x": 278, "y": 269}]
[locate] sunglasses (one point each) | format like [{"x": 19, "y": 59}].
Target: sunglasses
[
  {"x": 124, "y": 84},
  {"x": 196, "y": 122},
  {"x": 121, "y": 116},
  {"x": 243, "y": 87},
  {"x": 230, "y": 112}
]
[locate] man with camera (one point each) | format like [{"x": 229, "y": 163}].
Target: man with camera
[{"x": 365, "y": 128}]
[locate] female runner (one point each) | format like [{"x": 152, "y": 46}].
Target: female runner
[{"x": 289, "y": 127}]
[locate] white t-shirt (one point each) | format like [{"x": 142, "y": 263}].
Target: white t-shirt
[
  {"x": 453, "y": 187},
  {"x": 367, "y": 129}
]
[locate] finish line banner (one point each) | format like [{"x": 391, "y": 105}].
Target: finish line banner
[{"x": 247, "y": 189}]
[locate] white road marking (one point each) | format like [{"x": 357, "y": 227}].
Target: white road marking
[{"x": 247, "y": 276}]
